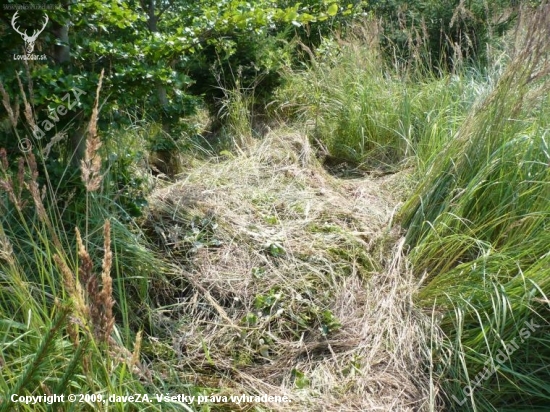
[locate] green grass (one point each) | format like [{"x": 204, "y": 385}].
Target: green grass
[
  {"x": 58, "y": 334},
  {"x": 478, "y": 228},
  {"x": 47, "y": 339},
  {"x": 266, "y": 242},
  {"x": 477, "y": 214},
  {"x": 363, "y": 111}
]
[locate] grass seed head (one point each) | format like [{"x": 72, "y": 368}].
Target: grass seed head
[{"x": 91, "y": 164}]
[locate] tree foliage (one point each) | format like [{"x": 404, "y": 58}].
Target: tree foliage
[
  {"x": 149, "y": 44},
  {"x": 161, "y": 59}
]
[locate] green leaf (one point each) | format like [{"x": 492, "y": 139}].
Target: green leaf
[
  {"x": 300, "y": 379},
  {"x": 306, "y": 18},
  {"x": 332, "y": 10}
]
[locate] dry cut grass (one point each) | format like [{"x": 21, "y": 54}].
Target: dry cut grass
[{"x": 287, "y": 286}]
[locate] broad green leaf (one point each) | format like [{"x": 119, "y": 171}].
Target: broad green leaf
[{"x": 332, "y": 10}]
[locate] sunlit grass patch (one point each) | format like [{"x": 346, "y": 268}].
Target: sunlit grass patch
[{"x": 478, "y": 228}]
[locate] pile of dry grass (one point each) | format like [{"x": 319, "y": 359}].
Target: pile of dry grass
[{"x": 287, "y": 287}]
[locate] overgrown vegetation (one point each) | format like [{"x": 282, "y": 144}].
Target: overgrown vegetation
[
  {"x": 479, "y": 227},
  {"x": 59, "y": 332},
  {"x": 362, "y": 112},
  {"x": 345, "y": 203}
]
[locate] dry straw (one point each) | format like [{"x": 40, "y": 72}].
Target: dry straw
[
  {"x": 91, "y": 165},
  {"x": 100, "y": 302},
  {"x": 261, "y": 309}
]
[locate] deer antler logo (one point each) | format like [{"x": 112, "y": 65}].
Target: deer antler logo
[{"x": 29, "y": 40}]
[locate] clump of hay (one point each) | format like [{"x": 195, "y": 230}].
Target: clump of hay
[{"x": 286, "y": 288}]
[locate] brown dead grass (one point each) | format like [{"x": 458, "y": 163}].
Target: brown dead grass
[{"x": 292, "y": 283}]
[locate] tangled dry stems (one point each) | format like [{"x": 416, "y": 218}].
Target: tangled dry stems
[{"x": 288, "y": 288}]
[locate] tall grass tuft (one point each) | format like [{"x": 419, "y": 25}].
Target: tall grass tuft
[
  {"x": 478, "y": 227},
  {"x": 237, "y": 111},
  {"x": 364, "y": 111},
  {"x": 59, "y": 331}
]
